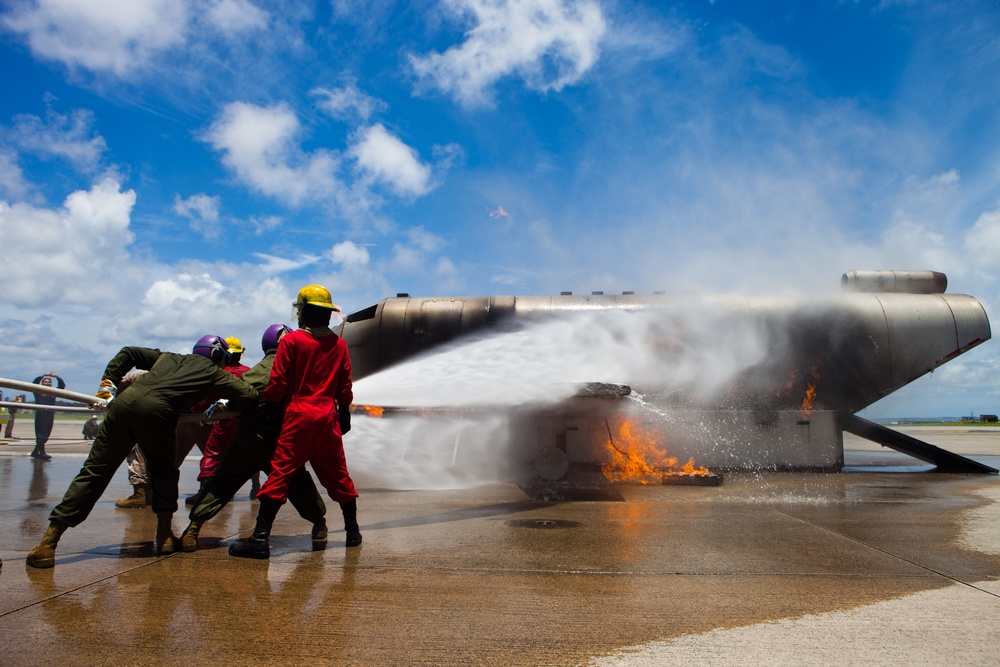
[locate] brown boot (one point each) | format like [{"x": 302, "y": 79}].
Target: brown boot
[
  {"x": 44, "y": 555},
  {"x": 189, "y": 538},
  {"x": 166, "y": 542},
  {"x": 139, "y": 498}
]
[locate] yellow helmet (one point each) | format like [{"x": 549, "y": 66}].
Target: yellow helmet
[
  {"x": 315, "y": 295},
  {"x": 235, "y": 346}
]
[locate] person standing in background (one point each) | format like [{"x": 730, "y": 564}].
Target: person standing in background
[
  {"x": 13, "y": 411},
  {"x": 44, "y": 419}
]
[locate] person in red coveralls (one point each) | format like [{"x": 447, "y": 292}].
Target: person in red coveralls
[
  {"x": 311, "y": 380},
  {"x": 223, "y": 431}
]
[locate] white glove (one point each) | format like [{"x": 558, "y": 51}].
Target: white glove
[{"x": 217, "y": 406}]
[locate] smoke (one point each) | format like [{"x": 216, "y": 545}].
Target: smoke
[
  {"x": 462, "y": 395},
  {"x": 444, "y": 451},
  {"x": 698, "y": 353}
]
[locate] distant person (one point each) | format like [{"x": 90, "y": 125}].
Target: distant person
[
  {"x": 146, "y": 415},
  {"x": 91, "y": 427},
  {"x": 44, "y": 419},
  {"x": 13, "y": 411},
  {"x": 311, "y": 381}
]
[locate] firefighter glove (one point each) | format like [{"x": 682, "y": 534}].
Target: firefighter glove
[
  {"x": 274, "y": 415},
  {"x": 345, "y": 419},
  {"x": 106, "y": 391}
]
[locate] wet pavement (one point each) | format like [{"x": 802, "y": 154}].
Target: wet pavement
[{"x": 885, "y": 563}]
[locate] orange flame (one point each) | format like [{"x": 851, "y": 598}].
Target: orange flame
[
  {"x": 372, "y": 410},
  {"x": 791, "y": 383},
  {"x": 636, "y": 457},
  {"x": 807, "y": 402}
]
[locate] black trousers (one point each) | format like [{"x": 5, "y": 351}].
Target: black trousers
[{"x": 251, "y": 452}]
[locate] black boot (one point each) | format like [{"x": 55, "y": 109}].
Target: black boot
[
  {"x": 193, "y": 500},
  {"x": 258, "y": 545},
  {"x": 350, "y": 511}
]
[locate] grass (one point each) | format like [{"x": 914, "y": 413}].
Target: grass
[{"x": 975, "y": 424}]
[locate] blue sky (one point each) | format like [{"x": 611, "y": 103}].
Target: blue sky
[{"x": 175, "y": 167}]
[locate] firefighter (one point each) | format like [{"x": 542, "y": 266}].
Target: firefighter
[
  {"x": 223, "y": 431},
  {"x": 311, "y": 380},
  {"x": 250, "y": 452},
  {"x": 145, "y": 415}
]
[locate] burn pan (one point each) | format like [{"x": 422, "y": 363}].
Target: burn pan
[{"x": 681, "y": 479}]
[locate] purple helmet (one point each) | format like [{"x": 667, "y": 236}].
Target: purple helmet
[
  {"x": 213, "y": 347},
  {"x": 269, "y": 341}
]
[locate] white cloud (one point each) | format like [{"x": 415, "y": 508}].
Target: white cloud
[
  {"x": 264, "y": 223},
  {"x": 349, "y": 255},
  {"x": 548, "y": 43},
  {"x": 424, "y": 240},
  {"x": 274, "y": 265},
  {"x": 446, "y": 274},
  {"x": 103, "y": 35},
  {"x": 406, "y": 260},
  {"x": 31, "y": 347},
  {"x": 68, "y": 136},
  {"x": 259, "y": 144},
  {"x": 385, "y": 158},
  {"x": 235, "y": 17},
  {"x": 417, "y": 256},
  {"x": 638, "y": 34},
  {"x": 73, "y": 276},
  {"x": 202, "y": 213},
  {"x": 348, "y": 103},
  {"x": 61, "y": 256},
  {"x": 202, "y": 302},
  {"x": 12, "y": 181},
  {"x": 982, "y": 241}
]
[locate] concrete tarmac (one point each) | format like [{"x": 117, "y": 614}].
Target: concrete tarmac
[{"x": 886, "y": 563}]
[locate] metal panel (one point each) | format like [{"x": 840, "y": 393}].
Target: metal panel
[{"x": 848, "y": 349}]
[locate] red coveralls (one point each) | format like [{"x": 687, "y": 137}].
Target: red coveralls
[
  {"x": 222, "y": 434},
  {"x": 310, "y": 377}
]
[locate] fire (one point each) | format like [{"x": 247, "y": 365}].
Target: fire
[
  {"x": 636, "y": 457},
  {"x": 790, "y": 387},
  {"x": 807, "y": 402},
  {"x": 372, "y": 410}
]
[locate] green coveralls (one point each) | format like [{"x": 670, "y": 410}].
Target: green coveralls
[
  {"x": 251, "y": 451},
  {"x": 146, "y": 414}
]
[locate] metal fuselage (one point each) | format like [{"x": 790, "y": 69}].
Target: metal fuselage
[
  {"x": 852, "y": 348},
  {"x": 841, "y": 351}
]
